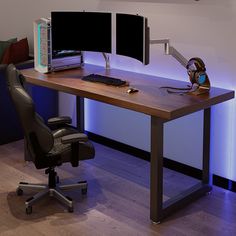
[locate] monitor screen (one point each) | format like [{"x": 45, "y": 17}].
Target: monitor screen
[
  {"x": 85, "y": 31},
  {"x": 132, "y": 37}
]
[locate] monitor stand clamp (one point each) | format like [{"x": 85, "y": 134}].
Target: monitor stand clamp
[{"x": 107, "y": 60}]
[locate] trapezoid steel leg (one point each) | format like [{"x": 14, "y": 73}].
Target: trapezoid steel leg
[
  {"x": 80, "y": 113},
  {"x": 156, "y": 175}
]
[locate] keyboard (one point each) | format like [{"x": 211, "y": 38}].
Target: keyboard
[{"x": 104, "y": 79}]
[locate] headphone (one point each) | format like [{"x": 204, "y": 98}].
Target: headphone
[
  {"x": 197, "y": 71},
  {"x": 198, "y": 77}
]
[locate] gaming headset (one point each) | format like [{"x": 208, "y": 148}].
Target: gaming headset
[
  {"x": 198, "y": 77},
  {"x": 197, "y": 72}
]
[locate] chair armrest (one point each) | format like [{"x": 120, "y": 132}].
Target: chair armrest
[
  {"x": 74, "y": 138},
  {"x": 59, "y": 120}
]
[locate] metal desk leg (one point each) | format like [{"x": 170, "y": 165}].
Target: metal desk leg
[
  {"x": 206, "y": 147},
  {"x": 158, "y": 208},
  {"x": 80, "y": 113},
  {"x": 156, "y": 181}
]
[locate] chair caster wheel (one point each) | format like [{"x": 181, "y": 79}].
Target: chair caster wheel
[
  {"x": 70, "y": 209},
  {"x": 28, "y": 210},
  {"x": 84, "y": 191},
  {"x": 19, "y": 191}
]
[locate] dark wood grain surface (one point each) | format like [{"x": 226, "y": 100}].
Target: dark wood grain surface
[{"x": 151, "y": 99}]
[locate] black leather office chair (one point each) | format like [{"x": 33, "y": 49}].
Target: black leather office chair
[{"x": 47, "y": 148}]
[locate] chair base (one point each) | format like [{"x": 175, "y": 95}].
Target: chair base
[{"x": 51, "y": 191}]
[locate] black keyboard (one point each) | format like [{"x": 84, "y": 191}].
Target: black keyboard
[{"x": 104, "y": 79}]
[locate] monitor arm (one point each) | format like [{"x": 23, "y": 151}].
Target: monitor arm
[
  {"x": 107, "y": 60},
  {"x": 169, "y": 50}
]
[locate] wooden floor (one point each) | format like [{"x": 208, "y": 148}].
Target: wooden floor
[{"x": 117, "y": 202}]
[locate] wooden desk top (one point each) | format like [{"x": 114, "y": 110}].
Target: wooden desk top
[{"x": 150, "y": 99}]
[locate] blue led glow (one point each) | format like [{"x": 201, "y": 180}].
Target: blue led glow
[
  {"x": 39, "y": 60},
  {"x": 39, "y": 43}
]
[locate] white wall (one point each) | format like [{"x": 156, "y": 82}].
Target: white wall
[{"x": 205, "y": 28}]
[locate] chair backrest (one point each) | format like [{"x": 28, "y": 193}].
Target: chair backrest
[{"x": 38, "y": 136}]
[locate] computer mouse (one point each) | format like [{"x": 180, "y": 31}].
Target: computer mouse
[{"x": 132, "y": 90}]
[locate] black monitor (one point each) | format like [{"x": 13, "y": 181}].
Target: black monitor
[
  {"x": 85, "y": 31},
  {"x": 132, "y": 37}
]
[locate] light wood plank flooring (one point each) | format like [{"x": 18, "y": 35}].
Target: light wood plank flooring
[{"x": 117, "y": 202}]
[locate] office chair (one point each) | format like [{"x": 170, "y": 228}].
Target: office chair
[{"x": 47, "y": 148}]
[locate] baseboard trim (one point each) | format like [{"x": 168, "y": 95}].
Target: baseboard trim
[{"x": 170, "y": 164}]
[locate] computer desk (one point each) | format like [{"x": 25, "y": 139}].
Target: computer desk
[{"x": 150, "y": 100}]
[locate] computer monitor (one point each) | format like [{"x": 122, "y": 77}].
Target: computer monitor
[
  {"x": 85, "y": 31},
  {"x": 132, "y": 37}
]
